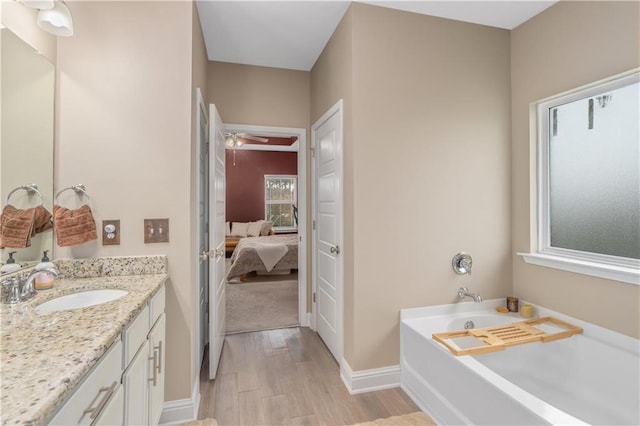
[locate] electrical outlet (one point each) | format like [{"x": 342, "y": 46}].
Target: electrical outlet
[
  {"x": 110, "y": 232},
  {"x": 156, "y": 231}
]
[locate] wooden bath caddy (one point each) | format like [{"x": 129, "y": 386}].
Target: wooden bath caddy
[{"x": 499, "y": 337}]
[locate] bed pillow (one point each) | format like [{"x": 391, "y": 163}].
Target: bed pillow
[
  {"x": 227, "y": 232},
  {"x": 266, "y": 228},
  {"x": 239, "y": 229},
  {"x": 254, "y": 228}
]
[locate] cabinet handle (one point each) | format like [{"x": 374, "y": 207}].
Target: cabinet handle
[
  {"x": 155, "y": 367},
  {"x": 159, "y": 357},
  {"x": 97, "y": 409}
]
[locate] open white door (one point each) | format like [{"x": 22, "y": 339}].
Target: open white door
[
  {"x": 328, "y": 293},
  {"x": 203, "y": 225},
  {"x": 217, "y": 276}
]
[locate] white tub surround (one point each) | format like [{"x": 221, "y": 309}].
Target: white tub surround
[
  {"x": 589, "y": 378},
  {"x": 46, "y": 355}
]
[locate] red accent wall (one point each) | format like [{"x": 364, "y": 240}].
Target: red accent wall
[{"x": 245, "y": 180}]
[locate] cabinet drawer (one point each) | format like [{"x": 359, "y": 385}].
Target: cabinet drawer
[
  {"x": 91, "y": 397},
  {"x": 157, "y": 307},
  {"x": 135, "y": 335}
]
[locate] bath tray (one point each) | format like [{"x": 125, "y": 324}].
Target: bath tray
[{"x": 499, "y": 337}]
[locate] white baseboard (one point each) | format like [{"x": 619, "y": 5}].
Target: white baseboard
[
  {"x": 369, "y": 380},
  {"x": 306, "y": 320},
  {"x": 182, "y": 410}
]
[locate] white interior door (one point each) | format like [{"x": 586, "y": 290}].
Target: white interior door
[
  {"x": 217, "y": 281},
  {"x": 328, "y": 295},
  {"x": 203, "y": 224}
]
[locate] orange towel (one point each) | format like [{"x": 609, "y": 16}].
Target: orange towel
[
  {"x": 17, "y": 226},
  {"x": 42, "y": 220},
  {"x": 74, "y": 226}
]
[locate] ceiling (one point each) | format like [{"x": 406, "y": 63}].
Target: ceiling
[{"x": 291, "y": 34}]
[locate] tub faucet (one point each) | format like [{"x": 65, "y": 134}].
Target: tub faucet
[{"x": 464, "y": 292}]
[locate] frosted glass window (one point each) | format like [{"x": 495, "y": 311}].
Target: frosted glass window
[{"x": 592, "y": 192}]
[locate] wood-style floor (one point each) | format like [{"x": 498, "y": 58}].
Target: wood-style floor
[{"x": 287, "y": 376}]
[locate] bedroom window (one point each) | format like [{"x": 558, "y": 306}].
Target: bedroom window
[
  {"x": 280, "y": 199},
  {"x": 588, "y": 180}
]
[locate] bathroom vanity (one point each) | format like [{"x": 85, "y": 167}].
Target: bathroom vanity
[{"x": 101, "y": 364}]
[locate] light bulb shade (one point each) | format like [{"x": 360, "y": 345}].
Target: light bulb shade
[
  {"x": 57, "y": 20},
  {"x": 38, "y": 4}
]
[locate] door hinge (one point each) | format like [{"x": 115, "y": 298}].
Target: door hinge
[
  {"x": 314, "y": 297},
  {"x": 313, "y": 151},
  {"x": 313, "y": 224}
]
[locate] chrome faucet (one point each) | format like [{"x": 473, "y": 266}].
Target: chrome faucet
[
  {"x": 464, "y": 292},
  {"x": 27, "y": 290}
]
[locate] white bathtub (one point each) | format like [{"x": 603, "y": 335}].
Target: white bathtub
[{"x": 590, "y": 378}]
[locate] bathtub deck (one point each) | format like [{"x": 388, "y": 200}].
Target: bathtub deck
[{"x": 288, "y": 376}]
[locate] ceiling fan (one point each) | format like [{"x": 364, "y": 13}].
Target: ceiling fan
[{"x": 234, "y": 140}]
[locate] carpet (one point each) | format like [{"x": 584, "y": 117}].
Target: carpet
[
  {"x": 252, "y": 306},
  {"x": 414, "y": 419}
]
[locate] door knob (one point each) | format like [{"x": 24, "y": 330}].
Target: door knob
[
  {"x": 218, "y": 253},
  {"x": 335, "y": 249}
]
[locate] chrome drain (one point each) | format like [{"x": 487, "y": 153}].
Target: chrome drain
[{"x": 468, "y": 325}]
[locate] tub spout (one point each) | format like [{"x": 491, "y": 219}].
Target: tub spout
[{"x": 464, "y": 292}]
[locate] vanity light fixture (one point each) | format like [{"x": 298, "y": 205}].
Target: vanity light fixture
[{"x": 56, "y": 20}]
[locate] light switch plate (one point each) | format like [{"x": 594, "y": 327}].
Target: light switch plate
[
  {"x": 110, "y": 232},
  {"x": 156, "y": 231}
]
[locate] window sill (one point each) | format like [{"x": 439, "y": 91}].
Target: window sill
[
  {"x": 284, "y": 230},
  {"x": 600, "y": 270}
]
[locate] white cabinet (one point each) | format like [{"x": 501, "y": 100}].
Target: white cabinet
[
  {"x": 97, "y": 394},
  {"x": 143, "y": 380},
  {"x": 156, "y": 370},
  {"x": 127, "y": 385},
  {"x": 134, "y": 381}
]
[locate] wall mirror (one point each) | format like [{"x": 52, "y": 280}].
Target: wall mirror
[{"x": 27, "y": 134}]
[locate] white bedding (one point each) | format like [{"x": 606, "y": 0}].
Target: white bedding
[{"x": 264, "y": 254}]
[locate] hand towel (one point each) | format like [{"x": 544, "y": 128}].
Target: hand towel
[
  {"x": 74, "y": 226},
  {"x": 42, "y": 220},
  {"x": 16, "y": 227}
]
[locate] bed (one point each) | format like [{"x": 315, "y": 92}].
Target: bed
[{"x": 263, "y": 255}]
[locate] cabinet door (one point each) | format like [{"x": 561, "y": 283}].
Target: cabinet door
[
  {"x": 111, "y": 414},
  {"x": 98, "y": 388},
  {"x": 156, "y": 370},
  {"x": 134, "y": 381}
]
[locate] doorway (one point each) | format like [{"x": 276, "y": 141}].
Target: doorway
[{"x": 254, "y": 166}]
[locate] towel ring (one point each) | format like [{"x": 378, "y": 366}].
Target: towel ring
[
  {"x": 79, "y": 189},
  {"x": 31, "y": 188}
]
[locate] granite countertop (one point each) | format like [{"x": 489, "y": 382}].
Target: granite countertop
[{"x": 44, "y": 356}]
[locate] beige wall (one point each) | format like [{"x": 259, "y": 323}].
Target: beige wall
[
  {"x": 124, "y": 130},
  {"x": 567, "y": 46},
  {"x": 22, "y": 20},
  {"x": 246, "y": 94},
  {"x": 428, "y": 159}
]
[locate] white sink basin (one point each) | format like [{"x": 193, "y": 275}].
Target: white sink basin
[{"x": 81, "y": 299}]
